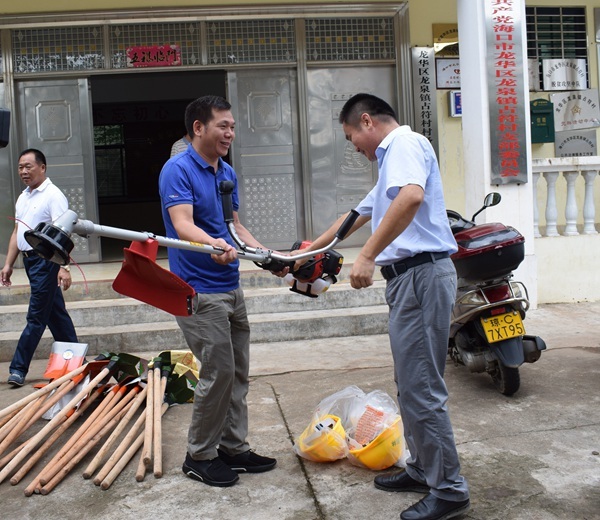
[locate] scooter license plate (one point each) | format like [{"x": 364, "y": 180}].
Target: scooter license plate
[{"x": 503, "y": 326}]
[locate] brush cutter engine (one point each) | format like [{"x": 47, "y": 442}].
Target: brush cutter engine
[
  {"x": 314, "y": 276},
  {"x": 317, "y": 274}
]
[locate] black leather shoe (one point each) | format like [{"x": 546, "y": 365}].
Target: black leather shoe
[
  {"x": 399, "y": 481},
  {"x": 433, "y": 508}
]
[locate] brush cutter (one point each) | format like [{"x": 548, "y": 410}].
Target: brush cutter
[
  {"x": 311, "y": 278},
  {"x": 141, "y": 278}
]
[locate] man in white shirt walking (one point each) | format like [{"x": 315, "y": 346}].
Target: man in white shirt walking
[{"x": 41, "y": 201}]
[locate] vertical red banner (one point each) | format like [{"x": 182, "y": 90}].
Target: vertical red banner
[{"x": 506, "y": 84}]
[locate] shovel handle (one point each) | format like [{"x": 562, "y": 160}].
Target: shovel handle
[
  {"x": 118, "y": 410},
  {"x": 114, "y": 473},
  {"x": 36, "y": 439},
  {"x": 68, "y": 421},
  {"x": 157, "y": 426},
  {"x": 121, "y": 449},
  {"x": 92, "y": 466},
  {"x": 147, "y": 451},
  {"x": 44, "y": 390},
  {"x": 20, "y": 426},
  {"x": 78, "y": 456}
]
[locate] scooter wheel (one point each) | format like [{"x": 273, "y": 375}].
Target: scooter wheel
[{"x": 506, "y": 379}]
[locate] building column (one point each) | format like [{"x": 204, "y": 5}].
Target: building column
[{"x": 516, "y": 207}]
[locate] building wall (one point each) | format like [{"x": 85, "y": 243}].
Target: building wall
[{"x": 422, "y": 14}]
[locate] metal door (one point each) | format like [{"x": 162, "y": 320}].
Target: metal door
[
  {"x": 7, "y": 180},
  {"x": 56, "y": 117},
  {"x": 340, "y": 177},
  {"x": 266, "y": 156}
]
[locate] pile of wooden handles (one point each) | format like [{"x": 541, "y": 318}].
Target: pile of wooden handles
[{"x": 113, "y": 414}]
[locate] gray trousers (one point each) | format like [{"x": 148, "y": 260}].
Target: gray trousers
[
  {"x": 420, "y": 303},
  {"x": 218, "y": 334}
]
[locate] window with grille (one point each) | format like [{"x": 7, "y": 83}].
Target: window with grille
[
  {"x": 349, "y": 39},
  {"x": 51, "y": 49},
  {"x": 109, "y": 145},
  {"x": 556, "y": 33},
  {"x": 251, "y": 41}
]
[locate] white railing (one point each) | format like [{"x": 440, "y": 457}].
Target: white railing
[{"x": 574, "y": 197}]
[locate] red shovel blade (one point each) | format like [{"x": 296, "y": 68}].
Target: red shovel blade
[{"x": 143, "y": 279}]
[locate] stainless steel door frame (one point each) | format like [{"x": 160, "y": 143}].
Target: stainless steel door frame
[
  {"x": 340, "y": 177},
  {"x": 55, "y": 116},
  {"x": 8, "y": 180},
  {"x": 265, "y": 154}
]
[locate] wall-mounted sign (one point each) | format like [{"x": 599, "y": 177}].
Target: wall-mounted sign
[
  {"x": 533, "y": 68},
  {"x": 154, "y": 56},
  {"x": 579, "y": 143},
  {"x": 447, "y": 72},
  {"x": 565, "y": 74},
  {"x": 445, "y": 39},
  {"x": 506, "y": 91},
  {"x": 576, "y": 110},
  {"x": 455, "y": 103},
  {"x": 425, "y": 104}
]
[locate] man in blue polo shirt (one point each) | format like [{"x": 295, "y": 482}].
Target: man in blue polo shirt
[{"x": 218, "y": 332}]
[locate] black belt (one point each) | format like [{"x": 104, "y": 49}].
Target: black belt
[
  {"x": 29, "y": 254},
  {"x": 393, "y": 270}
]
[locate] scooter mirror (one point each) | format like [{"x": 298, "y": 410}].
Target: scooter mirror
[{"x": 492, "y": 199}]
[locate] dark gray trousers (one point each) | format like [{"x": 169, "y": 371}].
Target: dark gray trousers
[
  {"x": 420, "y": 303},
  {"x": 218, "y": 334}
]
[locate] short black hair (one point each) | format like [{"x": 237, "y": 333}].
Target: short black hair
[
  {"x": 201, "y": 109},
  {"x": 39, "y": 156},
  {"x": 365, "y": 103}
]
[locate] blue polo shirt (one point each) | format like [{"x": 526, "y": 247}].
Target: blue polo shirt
[{"x": 187, "y": 179}]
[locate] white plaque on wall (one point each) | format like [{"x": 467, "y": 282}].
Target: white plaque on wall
[
  {"x": 576, "y": 110},
  {"x": 565, "y": 74},
  {"x": 447, "y": 72},
  {"x": 578, "y": 143}
]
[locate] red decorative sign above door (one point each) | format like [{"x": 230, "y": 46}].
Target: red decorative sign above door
[{"x": 154, "y": 56}]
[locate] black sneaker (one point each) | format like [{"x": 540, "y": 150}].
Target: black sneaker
[
  {"x": 15, "y": 379},
  {"x": 212, "y": 472},
  {"x": 247, "y": 462}
]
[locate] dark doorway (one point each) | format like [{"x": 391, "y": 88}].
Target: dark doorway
[{"x": 137, "y": 117}]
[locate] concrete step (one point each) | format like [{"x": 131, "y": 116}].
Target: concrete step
[
  {"x": 276, "y": 314},
  {"x": 124, "y": 311},
  {"x": 91, "y": 290}
]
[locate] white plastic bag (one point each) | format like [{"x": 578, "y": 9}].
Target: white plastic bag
[{"x": 366, "y": 428}]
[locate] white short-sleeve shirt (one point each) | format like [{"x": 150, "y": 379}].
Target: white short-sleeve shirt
[{"x": 44, "y": 204}]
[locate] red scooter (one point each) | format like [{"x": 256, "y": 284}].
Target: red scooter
[{"x": 487, "y": 332}]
